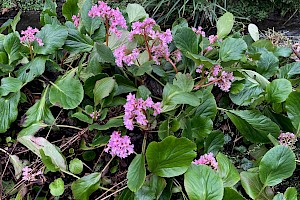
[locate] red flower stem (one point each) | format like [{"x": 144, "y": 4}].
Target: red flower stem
[
  {"x": 174, "y": 66},
  {"x": 147, "y": 46},
  {"x": 107, "y": 30}
]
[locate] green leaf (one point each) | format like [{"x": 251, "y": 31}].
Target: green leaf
[
  {"x": 77, "y": 42},
  {"x": 254, "y": 126},
  {"x": 17, "y": 164},
  {"x": 12, "y": 47},
  {"x": 253, "y": 187},
  {"x": 32, "y": 69},
  {"x": 277, "y": 164},
  {"x": 202, "y": 182},
  {"x": 9, "y": 110},
  {"x": 35, "y": 144},
  {"x": 32, "y": 129},
  {"x": 293, "y": 109},
  {"x": 141, "y": 70},
  {"x": 227, "y": 171},
  {"x": 8, "y": 85},
  {"x": 85, "y": 186},
  {"x": 232, "y": 194},
  {"x": 90, "y": 24},
  {"x": 16, "y": 20},
  {"x": 263, "y": 45},
  {"x": 76, "y": 166},
  {"x": 152, "y": 188},
  {"x": 290, "y": 193},
  {"x": 83, "y": 117},
  {"x": 143, "y": 92},
  {"x": 125, "y": 195},
  {"x": 135, "y": 12},
  {"x": 66, "y": 92},
  {"x": 186, "y": 40},
  {"x": 268, "y": 64},
  {"x": 253, "y": 31},
  {"x": 208, "y": 106},
  {"x": 53, "y": 37},
  {"x": 173, "y": 95},
  {"x": 198, "y": 127},
  {"x": 39, "y": 111},
  {"x": 214, "y": 142},
  {"x": 57, "y": 187},
  {"x": 289, "y": 70},
  {"x": 136, "y": 173},
  {"x": 278, "y": 90},
  {"x": 103, "y": 88},
  {"x": 69, "y": 9},
  {"x": 279, "y": 197},
  {"x": 283, "y": 51},
  {"x": 89, "y": 84},
  {"x": 232, "y": 49},
  {"x": 47, "y": 161},
  {"x": 170, "y": 157},
  {"x": 224, "y": 25},
  {"x": 164, "y": 130},
  {"x": 184, "y": 81},
  {"x": 102, "y": 54},
  {"x": 113, "y": 122},
  {"x": 124, "y": 85},
  {"x": 114, "y": 41}
]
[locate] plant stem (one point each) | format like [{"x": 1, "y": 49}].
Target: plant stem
[
  {"x": 107, "y": 165},
  {"x": 144, "y": 142},
  {"x": 174, "y": 66},
  {"x": 147, "y": 47},
  {"x": 106, "y": 31},
  {"x": 67, "y": 126},
  {"x": 155, "y": 79},
  {"x": 31, "y": 52},
  {"x": 70, "y": 173}
]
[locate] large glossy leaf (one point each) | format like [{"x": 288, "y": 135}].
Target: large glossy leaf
[
  {"x": 69, "y": 9},
  {"x": 66, "y": 92},
  {"x": 277, "y": 164},
  {"x": 135, "y": 12},
  {"x": 39, "y": 111},
  {"x": 152, "y": 188},
  {"x": 53, "y": 37},
  {"x": 289, "y": 70},
  {"x": 12, "y": 47},
  {"x": 202, "y": 182},
  {"x": 290, "y": 193},
  {"x": 9, "y": 110},
  {"x": 173, "y": 95},
  {"x": 267, "y": 64},
  {"x": 101, "y": 54},
  {"x": 197, "y": 127},
  {"x": 254, "y": 187},
  {"x": 36, "y": 144},
  {"x": 32, "y": 129},
  {"x": 77, "y": 42},
  {"x": 253, "y": 31},
  {"x": 8, "y": 85},
  {"x": 124, "y": 85},
  {"x": 113, "y": 122},
  {"x": 184, "y": 81},
  {"x": 278, "y": 90},
  {"x": 224, "y": 25},
  {"x": 208, "y": 106},
  {"x": 103, "y": 88},
  {"x": 227, "y": 171},
  {"x": 31, "y": 70},
  {"x": 253, "y": 125},
  {"x": 293, "y": 109},
  {"x": 232, "y": 194},
  {"x": 85, "y": 186},
  {"x": 136, "y": 173},
  {"x": 186, "y": 40},
  {"x": 170, "y": 157},
  {"x": 232, "y": 49},
  {"x": 214, "y": 142}
]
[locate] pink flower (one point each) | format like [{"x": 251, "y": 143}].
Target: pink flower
[
  {"x": 76, "y": 19},
  {"x": 142, "y": 28},
  {"x": 199, "y": 31},
  {"x": 28, "y": 174},
  {"x": 207, "y": 159},
  {"x": 209, "y": 48},
  {"x": 135, "y": 109},
  {"x": 29, "y": 36},
  {"x": 212, "y": 38},
  {"x": 216, "y": 69},
  {"x": 113, "y": 16},
  {"x": 288, "y": 139},
  {"x": 121, "y": 56},
  {"x": 223, "y": 80},
  {"x": 119, "y": 145},
  {"x": 177, "y": 55},
  {"x": 199, "y": 69}
]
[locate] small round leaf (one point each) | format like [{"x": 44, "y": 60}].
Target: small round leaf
[
  {"x": 76, "y": 166},
  {"x": 57, "y": 187}
]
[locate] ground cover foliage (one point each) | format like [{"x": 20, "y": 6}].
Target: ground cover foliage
[{"x": 106, "y": 105}]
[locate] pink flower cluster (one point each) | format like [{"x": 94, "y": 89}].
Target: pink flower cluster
[
  {"x": 121, "y": 56},
  {"x": 207, "y": 159},
  {"x": 119, "y": 145},
  {"x": 222, "y": 79},
  {"x": 199, "y": 31},
  {"x": 135, "y": 109},
  {"x": 296, "y": 48},
  {"x": 212, "y": 38},
  {"x": 29, "y": 36},
  {"x": 76, "y": 19},
  {"x": 113, "y": 16},
  {"x": 288, "y": 139},
  {"x": 177, "y": 55},
  {"x": 159, "y": 48},
  {"x": 28, "y": 175}
]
